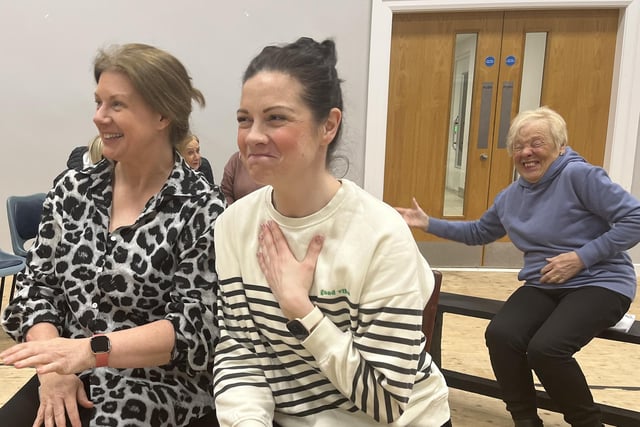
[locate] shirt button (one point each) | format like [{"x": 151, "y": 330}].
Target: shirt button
[{"x": 94, "y": 305}]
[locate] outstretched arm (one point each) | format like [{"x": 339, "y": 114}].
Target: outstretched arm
[{"x": 415, "y": 217}]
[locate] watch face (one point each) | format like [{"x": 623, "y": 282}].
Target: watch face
[
  {"x": 100, "y": 344},
  {"x": 297, "y": 329}
]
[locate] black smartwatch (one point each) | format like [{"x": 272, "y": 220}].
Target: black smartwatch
[
  {"x": 301, "y": 328},
  {"x": 297, "y": 329},
  {"x": 101, "y": 347}
]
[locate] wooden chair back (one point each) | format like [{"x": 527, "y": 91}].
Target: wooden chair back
[{"x": 430, "y": 310}]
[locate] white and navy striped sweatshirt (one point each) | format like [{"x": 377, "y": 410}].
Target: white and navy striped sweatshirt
[{"x": 364, "y": 364}]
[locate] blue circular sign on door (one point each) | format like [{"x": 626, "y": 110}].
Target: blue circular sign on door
[
  {"x": 510, "y": 60},
  {"x": 489, "y": 61}
]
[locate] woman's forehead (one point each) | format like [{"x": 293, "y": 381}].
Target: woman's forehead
[{"x": 532, "y": 130}]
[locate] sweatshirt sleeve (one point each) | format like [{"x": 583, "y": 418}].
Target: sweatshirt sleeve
[
  {"x": 617, "y": 207},
  {"x": 376, "y": 363},
  {"x": 242, "y": 395},
  {"x": 485, "y": 230}
]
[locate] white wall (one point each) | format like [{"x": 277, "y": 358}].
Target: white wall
[{"x": 46, "y": 86}]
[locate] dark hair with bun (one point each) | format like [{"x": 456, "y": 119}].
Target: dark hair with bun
[{"x": 311, "y": 63}]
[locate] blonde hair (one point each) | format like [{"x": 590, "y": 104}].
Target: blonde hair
[
  {"x": 182, "y": 145},
  {"x": 555, "y": 123},
  {"x": 95, "y": 149}
]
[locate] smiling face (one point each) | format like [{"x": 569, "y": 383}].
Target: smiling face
[
  {"x": 127, "y": 125},
  {"x": 278, "y": 138},
  {"x": 191, "y": 153},
  {"x": 534, "y": 150}
]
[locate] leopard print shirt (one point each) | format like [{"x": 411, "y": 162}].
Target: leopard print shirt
[{"x": 86, "y": 280}]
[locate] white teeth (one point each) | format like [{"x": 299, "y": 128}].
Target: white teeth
[{"x": 112, "y": 135}]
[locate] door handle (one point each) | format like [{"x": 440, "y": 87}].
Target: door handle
[
  {"x": 505, "y": 113},
  {"x": 484, "y": 156},
  {"x": 485, "y": 115}
]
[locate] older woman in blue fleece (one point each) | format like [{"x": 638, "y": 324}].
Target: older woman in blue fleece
[{"x": 573, "y": 225}]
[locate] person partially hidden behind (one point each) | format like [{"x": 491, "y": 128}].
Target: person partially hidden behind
[
  {"x": 573, "y": 225},
  {"x": 115, "y": 307},
  {"x": 322, "y": 286},
  {"x": 236, "y": 181},
  {"x": 86, "y": 155},
  {"x": 189, "y": 149}
]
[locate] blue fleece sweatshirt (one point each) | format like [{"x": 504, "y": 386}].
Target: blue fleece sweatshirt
[{"x": 574, "y": 207}]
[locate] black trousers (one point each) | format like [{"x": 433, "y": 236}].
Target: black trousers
[
  {"x": 22, "y": 409},
  {"x": 542, "y": 329}
]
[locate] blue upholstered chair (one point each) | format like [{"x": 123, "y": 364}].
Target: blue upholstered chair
[
  {"x": 10, "y": 265},
  {"x": 24, "y": 213}
]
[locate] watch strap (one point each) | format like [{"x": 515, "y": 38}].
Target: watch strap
[{"x": 102, "y": 360}]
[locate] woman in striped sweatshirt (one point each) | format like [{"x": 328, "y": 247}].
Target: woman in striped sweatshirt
[{"x": 321, "y": 285}]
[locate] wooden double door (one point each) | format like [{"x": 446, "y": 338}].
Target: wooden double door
[{"x": 456, "y": 81}]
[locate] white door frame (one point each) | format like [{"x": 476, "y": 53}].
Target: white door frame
[{"x": 623, "y": 134}]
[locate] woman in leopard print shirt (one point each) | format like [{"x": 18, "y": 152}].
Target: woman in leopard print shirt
[{"x": 115, "y": 308}]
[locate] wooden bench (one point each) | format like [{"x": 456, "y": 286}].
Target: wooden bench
[{"x": 485, "y": 308}]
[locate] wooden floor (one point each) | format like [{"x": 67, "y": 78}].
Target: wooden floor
[{"x": 612, "y": 368}]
